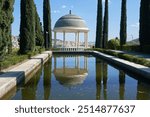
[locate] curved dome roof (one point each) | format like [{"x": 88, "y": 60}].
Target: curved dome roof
[{"x": 70, "y": 23}]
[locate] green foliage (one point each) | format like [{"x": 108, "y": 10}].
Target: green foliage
[
  {"x": 47, "y": 24},
  {"x": 99, "y": 26},
  {"x": 144, "y": 23},
  {"x": 113, "y": 43},
  {"x": 105, "y": 26},
  {"x": 135, "y": 48},
  {"x": 27, "y": 26},
  {"x": 12, "y": 59},
  {"x": 39, "y": 37},
  {"x": 123, "y": 24},
  {"x": 6, "y": 19},
  {"x": 15, "y": 58}
]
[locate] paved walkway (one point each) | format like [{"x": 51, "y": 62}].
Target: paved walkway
[{"x": 138, "y": 54}]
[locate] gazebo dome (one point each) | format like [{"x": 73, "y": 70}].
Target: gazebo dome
[{"x": 70, "y": 23}]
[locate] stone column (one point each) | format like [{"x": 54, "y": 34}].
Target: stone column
[
  {"x": 64, "y": 38},
  {"x": 78, "y": 40},
  {"x": 76, "y": 35},
  {"x": 55, "y": 37},
  {"x": 86, "y": 39}
]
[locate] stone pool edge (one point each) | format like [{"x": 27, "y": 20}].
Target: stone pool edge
[
  {"x": 141, "y": 70},
  {"x": 14, "y": 76}
]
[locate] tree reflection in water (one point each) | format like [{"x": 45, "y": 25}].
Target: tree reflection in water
[
  {"x": 47, "y": 79},
  {"x": 105, "y": 75},
  {"x": 30, "y": 89},
  {"x": 101, "y": 74},
  {"x": 121, "y": 84},
  {"x": 98, "y": 78}
]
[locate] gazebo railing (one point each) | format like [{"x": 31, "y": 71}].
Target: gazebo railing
[{"x": 71, "y": 49}]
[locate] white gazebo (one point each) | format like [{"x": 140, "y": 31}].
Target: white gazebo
[{"x": 71, "y": 24}]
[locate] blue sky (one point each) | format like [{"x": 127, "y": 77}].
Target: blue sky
[{"x": 87, "y": 9}]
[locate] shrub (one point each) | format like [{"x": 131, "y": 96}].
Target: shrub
[{"x": 113, "y": 43}]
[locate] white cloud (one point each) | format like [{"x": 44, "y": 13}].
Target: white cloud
[
  {"x": 136, "y": 25},
  {"x": 56, "y": 11},
  {"x": 63, "y": 6}
]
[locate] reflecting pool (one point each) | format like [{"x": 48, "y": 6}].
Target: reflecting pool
[{"x": 81, "y": 77}]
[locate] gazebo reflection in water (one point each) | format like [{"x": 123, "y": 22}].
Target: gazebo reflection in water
[{"x": 71, "y": 75}]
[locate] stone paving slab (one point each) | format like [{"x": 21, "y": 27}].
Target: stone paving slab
[{"x": 14, "y": 76}]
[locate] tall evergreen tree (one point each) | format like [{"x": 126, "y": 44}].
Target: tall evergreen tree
[
  {"x": 2, "y": 41},
  {"x": 39, "y": 37},
  {"x": 10, "y": 6},
  {"x": 6, "y": 19},
  {"x": 27, "y": 26},
  {"x": 47, "y": 24},
  {"x": 144, "y": 23},
  {"x": 105, "y": 26},
  {"x": 123, "y": 23},
  {"x": 99, "y": 26}
]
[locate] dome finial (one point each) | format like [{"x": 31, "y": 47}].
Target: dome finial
[{"x": 69, "y": 11}]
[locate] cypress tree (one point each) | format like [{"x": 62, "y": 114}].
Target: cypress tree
[
  {"x": 10, "y": 4},
  {"x": 39, "y": 37},
  {"x": 105, "y": 26},
  {"x": 123, "y": 24},
  {"x": 2, "y": 40},
  {"x": 47, "y": 24},
  {"x": 6, "y": 19},
  {"x": 27, "y": 26},
  {"x": 98, "y": 43},
  {"x": 144, "y": 23}
]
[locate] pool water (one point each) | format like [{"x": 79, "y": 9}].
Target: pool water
[{"x": 82, "y": 77}]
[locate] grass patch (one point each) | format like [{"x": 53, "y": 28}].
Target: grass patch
[
  {"x": 127, "y": 57},
  {"x": 15, "y": 58}
]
